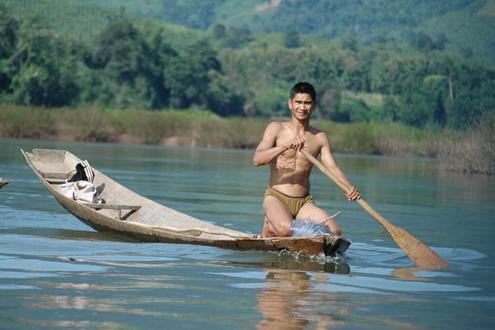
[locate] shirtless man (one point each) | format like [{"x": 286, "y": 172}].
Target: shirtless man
[{"x": 287, "y": 197}]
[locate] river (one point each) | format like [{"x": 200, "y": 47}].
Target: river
[{"x": 57, "y": 273}]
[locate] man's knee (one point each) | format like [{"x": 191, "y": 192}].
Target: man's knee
[
  {"x": 280, "y": 229},
  {"x": 284, "y": 230},
  {"x": 334, "y": 228}
]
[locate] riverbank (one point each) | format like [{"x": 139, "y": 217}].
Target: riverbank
[{"x": 470, "y": 151}]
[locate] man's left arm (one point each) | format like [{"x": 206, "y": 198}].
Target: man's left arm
[{"x": 330, "y": 163}]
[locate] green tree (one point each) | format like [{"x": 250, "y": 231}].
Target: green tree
[
  {"x": 349, "y": 42},
  {"x": 292, "y": 39},
  {"x": 328, "y": 105},
  {"x": 44, "y": 69},
  {"x": 130, "y": 67},
  {"x": 218, "y": 31},
  {"x": 222, "y": 99},
  {"x": 121, "y": 51},
  {"x": 188, "y": 76},
  {"x": 9, "y": 28},
  {"x": 236, "y": 38}
]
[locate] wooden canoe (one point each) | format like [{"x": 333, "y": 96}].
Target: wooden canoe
[{"x": 128, "y": 213}]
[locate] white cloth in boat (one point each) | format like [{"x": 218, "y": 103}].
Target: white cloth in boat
[{"x": 80, "y": 191}]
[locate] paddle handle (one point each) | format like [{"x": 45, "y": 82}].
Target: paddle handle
[{"x": 345, "y": 188}]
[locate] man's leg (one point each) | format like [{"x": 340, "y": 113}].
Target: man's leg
[
  {"x": 313, "y": 213},
  {"x": 278, "y": 220}
]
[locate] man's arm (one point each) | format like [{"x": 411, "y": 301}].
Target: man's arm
[
  {"x": 267, "y": 149},
  {"x": 330, "y": 163}
]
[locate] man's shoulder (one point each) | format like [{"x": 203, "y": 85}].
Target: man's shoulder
[
  {"x": 320, "y": 137},
  {"x": 275, "y": 126},
  {"x": 278, "y": 123},
  {"x": 316, "y": 131}
]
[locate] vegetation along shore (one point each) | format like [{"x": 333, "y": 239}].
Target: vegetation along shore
[{"x": 471, "y": 151}]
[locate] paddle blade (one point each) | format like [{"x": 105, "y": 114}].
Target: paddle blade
[{"x": 422, "y": 255}]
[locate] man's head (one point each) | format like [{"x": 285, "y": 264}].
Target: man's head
[
  {"x": 302, "y": 101},
  {"x": 303, "y": 88}
]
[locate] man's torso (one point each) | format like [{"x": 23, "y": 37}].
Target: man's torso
[{"x": 290, "y": 170}]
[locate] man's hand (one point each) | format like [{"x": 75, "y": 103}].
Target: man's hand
[
  {"x": 353, "y": 194},
  {"x": 296, "y": 143}
]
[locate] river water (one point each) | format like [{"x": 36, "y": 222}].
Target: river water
[{"x": 56, "y": 272}]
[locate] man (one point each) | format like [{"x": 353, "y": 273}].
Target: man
[{"x": 287, "y": 197}]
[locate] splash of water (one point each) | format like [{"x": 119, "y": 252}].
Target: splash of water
[{"x": 307, "y": 228}]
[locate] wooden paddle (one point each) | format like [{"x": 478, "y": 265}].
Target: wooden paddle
[{"x": 421, "y": 254}]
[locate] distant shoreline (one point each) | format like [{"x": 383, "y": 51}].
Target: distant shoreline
[{"x": 468, "y": 151}]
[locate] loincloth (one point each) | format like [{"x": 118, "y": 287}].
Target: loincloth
[{"x": 294, "y": 204}]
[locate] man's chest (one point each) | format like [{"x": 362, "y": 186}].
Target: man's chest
[{"x": 286, "y": 136}]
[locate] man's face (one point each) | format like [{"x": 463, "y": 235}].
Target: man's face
[{"x": 301, "y": 106}]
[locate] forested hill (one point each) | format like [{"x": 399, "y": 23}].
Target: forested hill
[
  {"x": 385, "y": 65},
  {"x": 466, "y": 26}
]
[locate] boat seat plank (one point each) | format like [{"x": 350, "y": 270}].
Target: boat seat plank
[
  {"x": 119, "y": 208},
  {"x": 55, "y": 180},
  {"x": 55, "y": 175}
]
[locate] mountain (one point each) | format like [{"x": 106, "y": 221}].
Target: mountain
[{"x": 464, "y": 26}]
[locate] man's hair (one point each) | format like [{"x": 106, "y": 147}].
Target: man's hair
[{"x": 303, "y": 88}]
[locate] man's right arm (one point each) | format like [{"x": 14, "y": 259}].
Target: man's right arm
[{"x": 267, "y": 150}]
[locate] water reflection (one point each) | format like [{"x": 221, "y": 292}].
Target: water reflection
[
  {"x": 70, "y": 324},
  {"x": 288, "y": 296},
  {"x": 285, "y": 302},
  {"x": 477, "y": 188},
  {"x": 69, "y": 234},
  {"x": 95, "y": 304},
  {"x": 408, "y": 274},
  {"x": 280, "y": 299},
  {"x": 297, "y": 293},
  {"x": 287, "y": 261}
]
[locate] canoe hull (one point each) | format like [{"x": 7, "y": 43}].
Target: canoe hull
[{"x": 153, "y": 222}]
